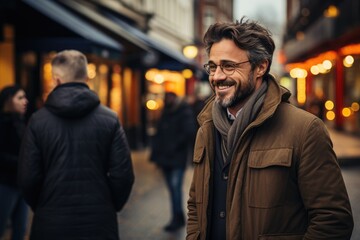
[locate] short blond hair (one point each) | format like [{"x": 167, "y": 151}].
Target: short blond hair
[{"x": 70, "y": 66}]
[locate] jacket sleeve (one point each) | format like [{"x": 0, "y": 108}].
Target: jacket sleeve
[
  {"x": 30, "y": 168},
  {"x": 322, "y": 187},
  {"x": 120, "y": 172},
  {"x": 192, "y": 227},
  {"x": 195, "y": 205}
]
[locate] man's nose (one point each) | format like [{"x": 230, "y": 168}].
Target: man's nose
[{"x": 219, "y": 74}]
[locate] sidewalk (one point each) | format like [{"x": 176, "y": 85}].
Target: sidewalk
[
  {"x": 346, "y": 147},
  {"x": 148, "y": 208}
]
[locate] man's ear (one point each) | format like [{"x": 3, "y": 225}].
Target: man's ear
[
  {"x": 261, "y": 69},
  {"x": 57, "y": 81}
]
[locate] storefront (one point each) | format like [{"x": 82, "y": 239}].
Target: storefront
[
  {"x": 323, "y": 59},
  {"x": 119, "y": 57}
]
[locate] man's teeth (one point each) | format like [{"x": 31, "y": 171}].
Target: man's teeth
[{"x": 223, "y": 87}]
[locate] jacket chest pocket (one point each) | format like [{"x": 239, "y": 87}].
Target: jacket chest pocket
[{"x": 268, "y": 177}]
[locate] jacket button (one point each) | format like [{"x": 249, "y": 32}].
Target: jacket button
[
  {"x": 225, "y": 177},
  {"x": 222, "y": 214}
]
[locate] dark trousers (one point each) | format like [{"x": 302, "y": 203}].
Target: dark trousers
[{"x": 174, "y": 182}]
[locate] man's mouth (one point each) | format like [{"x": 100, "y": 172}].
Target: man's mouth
[{"x": 223, "y": 85}]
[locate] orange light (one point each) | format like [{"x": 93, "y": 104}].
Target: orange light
[
  {"x": 352, "y": 49},
  {"x": 330, "y": 115},
  {"x": 330, "y": 55},
  {"x": 346, "y": 112}
]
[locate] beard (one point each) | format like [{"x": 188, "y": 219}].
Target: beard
[{"x": 243, "y": 90}]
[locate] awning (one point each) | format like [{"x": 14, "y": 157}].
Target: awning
[
  {"x": 88, "y": 12},
  {"x": 154, "y": 44},
  {"x": 67, "y": 19},
  {"x": 173, "y": 60}
]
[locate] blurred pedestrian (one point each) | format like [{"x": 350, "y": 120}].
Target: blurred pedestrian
[
  {"x": 264, "y": 169},
  {"x": 316, "y": 104},
  {"x": 170, "y": 148},
  {"x": 75, "y": 165},
  {"x": 13, "y": 103}
]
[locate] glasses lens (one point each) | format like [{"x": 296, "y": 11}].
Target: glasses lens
[
  {"x": 228, "y": 68},
  {"x": 211, "y": 68}
]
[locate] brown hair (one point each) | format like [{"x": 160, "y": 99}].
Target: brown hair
[{"x": 247, "y": 35}]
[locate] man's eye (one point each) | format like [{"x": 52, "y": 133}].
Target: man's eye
[
  {"x": 212, "y": 67},
  {"x": 228, "y": 66}
]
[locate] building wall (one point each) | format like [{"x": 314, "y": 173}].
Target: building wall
[{"x": 172, "y": 22}]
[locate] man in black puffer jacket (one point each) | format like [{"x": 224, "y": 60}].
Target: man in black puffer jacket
[{"x": 75, "y": 165}]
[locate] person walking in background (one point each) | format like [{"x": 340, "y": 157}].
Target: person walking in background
[
  {"x": 75, "y": 165},
  {"x": 264, "y": 169},
  {"x": 13, "y": 103},
  {"x": 170, "y": 148}
]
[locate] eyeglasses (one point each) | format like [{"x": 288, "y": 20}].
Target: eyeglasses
[{"x": 228, "y": 68}]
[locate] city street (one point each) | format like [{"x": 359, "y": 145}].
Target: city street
[{"x": 147, "y": 210}]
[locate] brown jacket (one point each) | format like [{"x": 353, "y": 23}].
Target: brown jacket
[{"x": 284, "y": 182}]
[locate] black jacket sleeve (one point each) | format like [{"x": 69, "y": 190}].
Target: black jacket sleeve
[
  {"x": 30, "y": 168},
  {"x": 120, "y": 172}
]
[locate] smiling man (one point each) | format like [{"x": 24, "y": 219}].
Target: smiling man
[{"x": 264, "y": 169}]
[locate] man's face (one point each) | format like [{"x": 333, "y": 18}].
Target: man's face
[{"x": 231, "y": 90}]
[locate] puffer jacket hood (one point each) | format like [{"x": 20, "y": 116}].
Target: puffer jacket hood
[{"x": 72, "y": 100}]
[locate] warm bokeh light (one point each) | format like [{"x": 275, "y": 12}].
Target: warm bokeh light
[
  {"x": 329, "y": 55},
  {"x": 187, "y": 73},
  {"x": 159, "y": 78},
  {"x": 329, "y": 105},
  {"x": 190, "y": 51},
  {"x": 91, "y": 70},
  {"x": 330, "y": 115},
  {"x": 355, "y": 106},
  {"x": 346, "y": 112},
  {"x": 350, "y": 49},
  {"x": 298, "y": 73},
  {"x": 103, "y": 69},
  {"x": 301, "y": 90},
  {"x": 314, "y": 70},
  {"x": 327, "y": 64},
  {"x": 152, "y": 105},
  {"x": 331, "y": 12},
  {"x": 348, "y": 61},
  {"x": 321, "y": 68}
]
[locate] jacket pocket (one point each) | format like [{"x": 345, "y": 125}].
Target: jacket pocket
[
  {"x": 199, "y": 172},
  {"x": 269, "y": 172},
  {"x": 281, "y": 237}
]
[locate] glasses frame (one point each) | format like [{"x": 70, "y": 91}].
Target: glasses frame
[{"x": 221, "y": 65}]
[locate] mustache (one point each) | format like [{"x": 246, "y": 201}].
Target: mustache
[{"x": 227, "y": 82}]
